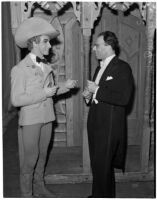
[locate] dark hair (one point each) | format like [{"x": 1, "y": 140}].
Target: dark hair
[
  {"x": 35, "y": 39},
  {"x": 111, "y": 39}
]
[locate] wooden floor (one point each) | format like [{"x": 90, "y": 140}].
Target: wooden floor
[
  {"x": 68, "y": 160},
  {"x": 63, "y": 161}
]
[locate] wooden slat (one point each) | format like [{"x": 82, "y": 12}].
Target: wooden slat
[
  {"x": 60, "y": 144},
  {"x": 79, "y": 178},
  {"x": 69, "y": 66},
  {"x": 151, "y": 25},
  {"x": 60, "y": 137}
]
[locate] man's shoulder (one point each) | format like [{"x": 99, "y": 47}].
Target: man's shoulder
[
  {"x": 123, "y": 65},
  {"x": 122, "y": 62},
  {"x": 20, "y": 66},
  {"x": 24, "y": 62}
]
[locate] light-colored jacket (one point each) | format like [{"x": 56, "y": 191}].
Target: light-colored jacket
[{"x": 27, "y": 92}]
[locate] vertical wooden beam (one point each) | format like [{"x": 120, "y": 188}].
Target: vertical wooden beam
[
  {"x": 69, "y": 66},
  {"x": 86, "y": 160},
  {"x": 150, "y": 22},
  {"x": 88, "y": 14}
]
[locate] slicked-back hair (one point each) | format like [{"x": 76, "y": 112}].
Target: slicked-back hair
[
  {"x": 111, "y": 39},
  {"x": 35, "y": 39}
]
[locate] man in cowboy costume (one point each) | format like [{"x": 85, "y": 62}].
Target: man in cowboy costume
[{"x": 32, "y": 90}]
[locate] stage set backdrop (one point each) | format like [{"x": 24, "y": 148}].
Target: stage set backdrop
[{"x": 79, "y": 23}]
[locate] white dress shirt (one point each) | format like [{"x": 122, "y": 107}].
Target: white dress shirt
[
  {"x": 33, "y": 57},
  {"x": 103, "y": 65}
]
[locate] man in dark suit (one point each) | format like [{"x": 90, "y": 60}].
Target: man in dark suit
[{"x": 109, "y": 93}]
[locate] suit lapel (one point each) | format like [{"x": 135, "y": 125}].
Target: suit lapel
[
  {"x": 108, "y": 69},
  {"x": 96, "y": 73}
]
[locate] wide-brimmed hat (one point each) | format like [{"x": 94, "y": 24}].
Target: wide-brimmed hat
[{"x": 31, "y": 27}]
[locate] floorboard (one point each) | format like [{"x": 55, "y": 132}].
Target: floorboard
[{"x": 68, "y": 160}]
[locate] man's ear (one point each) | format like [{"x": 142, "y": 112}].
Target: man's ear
[{"x": 34, "y": 44}]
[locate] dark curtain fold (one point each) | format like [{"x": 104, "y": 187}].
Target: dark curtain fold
[{"x": 8, "y": 58}]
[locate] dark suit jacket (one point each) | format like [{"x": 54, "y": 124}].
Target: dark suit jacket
[{"x": 108, "y": 117}]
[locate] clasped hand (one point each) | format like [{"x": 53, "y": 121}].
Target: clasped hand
[
  {"x": 69, "y": 84},
  {"x": 92, "y": 86},
  {"x": 89, "y": 89},
  {"x": 50, "y": 91}
]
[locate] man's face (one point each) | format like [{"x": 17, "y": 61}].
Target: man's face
[
  {"x": 101, "y": 49},
  {"x": 44, "y": 45}
]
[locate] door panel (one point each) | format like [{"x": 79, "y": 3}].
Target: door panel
[
  {"x": 74, "y": 70},
  {"x": 68, "y": 65}
]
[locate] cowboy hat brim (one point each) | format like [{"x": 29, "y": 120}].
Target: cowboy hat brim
[{"x": 31, "y": 27}]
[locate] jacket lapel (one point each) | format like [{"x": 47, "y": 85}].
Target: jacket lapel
[
  {"x": 96, "y": 73},
  {"x": 47, "y": 71},
  {"x": 34, "y": 69},
  {"x": 108, "y": 69}
]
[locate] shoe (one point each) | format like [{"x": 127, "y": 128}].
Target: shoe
[
  {"x": 26, "y": 185},
  {"x": 90, "y": 196}
]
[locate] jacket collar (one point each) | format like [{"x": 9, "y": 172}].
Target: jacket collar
[
  {"x": 111, "y": 65},
  {"x": 109, "y": 68},
  {"x": 28, "y": 62}
]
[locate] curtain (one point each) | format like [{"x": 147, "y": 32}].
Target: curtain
[{"x": 8, "y": 60}]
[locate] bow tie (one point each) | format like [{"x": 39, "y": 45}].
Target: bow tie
[{"x": 41, "y": 60}]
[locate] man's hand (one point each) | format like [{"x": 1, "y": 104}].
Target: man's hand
[
  {"x": 92, "y": 86},
  {"x": 69, "y": 84},
  {"x": 86, "y": 94},
  {"x": 50, "y": 91}
]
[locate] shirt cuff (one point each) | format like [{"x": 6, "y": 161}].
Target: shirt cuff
[
  {"x": 95, "y": 93},
  {"x": 87, "y": 101}
]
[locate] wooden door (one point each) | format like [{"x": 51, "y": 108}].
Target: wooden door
[
  {"x": 130, "y": 31},
  {"x": 74, "y": 70},
  {"x": 69, "y": 65}
]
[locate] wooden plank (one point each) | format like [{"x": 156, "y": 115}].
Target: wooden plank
[
  {"x": 60, "y": 144},
  {"x": 77, "y": 71},
  {"x": 147, "y": 92},
  {"x": 79, "y": 178},
  {"x": 69, "y": 65},
  {"x": 86, "y": 159},
  {"x": 60, "y": 137},
  {"x": 61, "y": 128},
  {"x": 145, "y": 149}
]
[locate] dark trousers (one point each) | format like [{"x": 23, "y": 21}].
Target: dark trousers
[
  {"x": 103, "y": 173},
  {"x": 101, "y": 162},
  {"x": 103, "y": 182}
]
